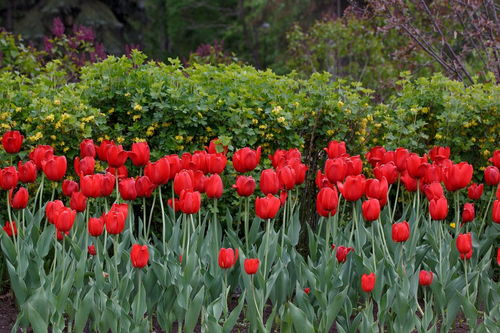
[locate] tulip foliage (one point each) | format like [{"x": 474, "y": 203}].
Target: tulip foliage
[{"x": 144, "y": 243}]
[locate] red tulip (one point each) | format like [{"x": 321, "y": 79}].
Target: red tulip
[
  {"x": 377, "y": 189},
  {"x": 322, "y": 181},
  {"x": 433, "y": 191},
  {"x": 327, "y": 201},
  {"x": 466, "y": 256},
  {"x": 91, "y": 185},
  {"x": 139, "y": 255},
  {"x": 438, "y": 208},
  {"x": 354, "y": 165},
  {"x": 368, "y": 282},
  {"x": 251, "y": 266},
  {"x": 78, "y": 201},
  {"x": 116, "y": 156},
  {"x": 52, "y": 210},
  {"x": 414, "y": 165},
  {"x": 69, "y": 186},
  {"x": 19, "y": 198},
  {"x": 60, "y": 235},
  {"x": 144, "y": 187},
  {"x": 227, "y": 258},
  {"x": 87, "y": 148},
  {"x": 122, "y": 208},
  {"x": 140, "y": 153},
  {"x": 26, "y": 172},
  {"x": 475, "y": 191},
  {"x": 245, "y": 185},
  {"x": 40, "y": 154},
  {"x": 409, "y": 182},
  {"x": 283, "y": 197},
  {"x": 115, "y": 221},
  {"x": 55, "y": 167},
  {"x": 246, "y": 159},
  {"x": 388, "y": 170},
  {"x": 286, "y": 176},
  {"x": 183, "y": 181},
  {"x": 495, "y": 212},
  {"x": 10, "y": 228},
  {"x": 159, "y": 171},
  {"x": 336, "y": 149},
  {"x": 216, "y": 163},
  {"x": 199, "y": 180},
  {"x": 457, "y": 176},
  {"x": 12, "y": 141},
  {"x": 371, "y": 209},
  {"x": 102, "y": 150},
  {"x": 353, "y": 187},
  {"x": 175, "y": 165},
  {"x": 498, "y": 256},
  {"x": 464, "y": 243},
  {"x": 189, "y": 202},
  {"x": 278, "y": 159},
  {"x": 437, "y": 154},
  {"x": 269, "y": 182},
  {"x": 267, "y": 207},
  {"x": 336, "y": 170},
  {"x": 108, "y": 182},
  {"x": 127, "y": 189},
  {"x": 307, "y": 290},
  {"x": 91, "y": 249},
  {"x": 495, "y": 159},
  {"x": 342, "y": 253},
  {"x": 95, "y": 226},
  {"x": 214, "y": 186},
  {"x": 176, "y": 202},
  {"x": 498, "y": 192},
  {"x": 491, "y": 175},
  {"x": 400, "y": 156},
  {"x": 65, "y": 219},
  {"x": 8, "y": 178},
  {"x": 300, "y": 170},
  {"x": 468, "y": 213},
  {"x": 400, "y": 232},
  {"x": 216, "y": 146},
  {"x": 121, "y": 172},
  {"x": 432, "y": 173},
  {"x": 85, "y": 166},
  {"x": 425, "y": 278},
  {"x": 375, "y": 155}
]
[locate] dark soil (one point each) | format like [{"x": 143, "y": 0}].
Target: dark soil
[{"x": 8, "y": 313}]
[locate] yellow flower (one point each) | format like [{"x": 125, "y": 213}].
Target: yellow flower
[
  {"x": 53, "y": 137},
  {"x": 65, "y": 149},
  {"x": 200, "y": 115},
  {"x": 6, "y": 126},
  {"x": 425, "y": 110},
  {"x": 138, "y": 140},
  {"x": 150, "y": 131},
  {"x": 486, "y": 152},
  {"x": 347, "y": 111},
  {"x": 57, "y": 102},
  {"x": 179, "y": 138},
  {"x": 330, "y": 132},
  {"x": 340, "y": 104},
  {"x": 453, "y": 225},
  {"x": 110, "y": 111},
  {"x": 137, "y": 107},
  {"x": 137, "y": 116},
  {"x": 263, "y": 126},
  {"x": 18, "y": 109},
  {"x": 50, "y": 117},
  {"x": 65, "y": 116},
  {"x": 276, "y": 110},
  {"x": 58, "y": 124},
  {"x": 281, "y": 119},
  {"x": 106, "y": 137},
  {"x": 208, "y": 129},
  {"x": 127, "y": 94},
  {"x": 181, "y": 147},
  {"x": 255, "y": 121},
  {"x": 438, "y": 136},
  {"x": 378, "y": 125},
  {"x": 120, "y": 139}
]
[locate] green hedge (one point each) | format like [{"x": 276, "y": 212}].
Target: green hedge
[{"x": 180, "y": 109}]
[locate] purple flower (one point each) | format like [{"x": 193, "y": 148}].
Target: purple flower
[
  {"x": 57, "y": 27},
  {"x": 47, "y": 44}
]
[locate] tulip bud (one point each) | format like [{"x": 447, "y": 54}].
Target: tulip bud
[
  {"x": 251, "y": 266},
  {"x": 139, "y": 255},
  {"x": 368, "y": 282},
  {"x": 425, "y": 278}
]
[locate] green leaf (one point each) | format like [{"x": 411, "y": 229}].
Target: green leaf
[
  {"x": 234, "y": 315},
  {"x": 82, "y": 313},
  {"x": 300, "y": 322},
  {"x": 193, "y": 313},
  {"x": 38, "y": 324}
]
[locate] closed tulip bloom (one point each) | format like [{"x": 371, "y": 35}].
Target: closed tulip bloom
[
  {"x": 307, "y": 290},
  {"x": 246, "y": 159},
  {"x": 87, "y": 148},
  {"x": 354, "y": 165},
  {"x": 375, "y": 155},
  {"x": 190, "y": 202},
  {"x": 69, "y": 186},
  {"x": 121, "y": 172},
  {"x": 10, "y": 228},
  {"x": 466, "y": 256},
  {"x": 457, "y": 176},
  {"x": 55, "y": 167},
  {"x": 8, "y": 178},
  {"x": 433, "y": 191},
  {"x": 27, "y": 172},
  {"x": 278, "y": 159},
  {"x": 468, "y": 213},
  {"x": 91, "y": 249},
  {"x": 389, "y": 156},
  {"x": 65, "y": 219},
  {"x": 216, "y": 146},
  {"x": 377, "y": 189},
  {"x": 327, "y": 201},
  {"x": 438, "y": 154},
  {"x": 498, "y": 192},
  {"x": 84, "y": 166},
  {"x": 60, "y": 234},
  {"x": 245, "y": 185},
  {"x": 114, "y": 221},
  {"x": 216, "y": 163},
  {"x": 400, "y": 156},
  {"x": 251, "y": 266},
  {"x": 214, "y": 186},
  {"x": 140, "y": 153},
  {"x": 498, "y": 256},
  {"x": 336, "y": 149},
  {"x": 491, "y": 175},
  {"x": 144, "y": 187},
  {"x": 139, "y": 255},
  {"x": 227, "y": 258},
  {"x": 198, "y": 161},
  {"x": 475, "y": 191},
  {"x": 108, "y": 182},
  {"x": 300, "y": 170},
  {"x": 283, "y": 197},
  {"x": 18, "y": 199},
  {"x": 464, "y": 243},
  {"x": 78, "y": 201},
  {"x": 322, "y": 181},
  {"x": 95, "y": 226},
  {"x": 127, "y": 189},
  {"x": 425, "y": 278},
  {"x": 414, "y": 165},
  {"x": 495, "y": 213},
  {"x": 269, "y": 182},
  {"x": 368, "y": 282},
  {"x": 438, "y": 208},
  {"x": 199, "y": 180},
  {"x": 40, "y": 154},
  {"x": 371, "y": 209},
  {"x": 353, "y": 188},
  {"x": 342, "y": 253},
  {"x": 52, "y": 210},
  {"x": 495, "y": 159},
  {"x": 432, "y": 173},
  {"x": 91, "y": 185},
  {"x": 122, "y": 208},
  {"x": 336, "y": 170},
  {"x": 102, "y": 149},
  {"x": 400, "y": 232},
  {"x": 388, "y": 170},
  {"x": 12, "y": 141},
  {"x": 159, "y": 171},
  {"x": 267, "y": 207},
  {"x": 116, "y": 156},
  {"x": 183, "y": 181},
  {"x": 286, "y": 175},
  {"x": 175, "y": 165},
  {"x": 409, "y": 182}
]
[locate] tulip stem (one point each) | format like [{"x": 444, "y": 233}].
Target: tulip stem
[
  {"x": 151, "y": 215},
  {"x": 283, "y": 227},
  {"x": 173, "y": 201},
  {"x": 247, "y": 204},
  {"x": 457, "y": 214},
  {"x": 466, "y": 278},
  {"x": 327, "y": 237},
  {"x": 395, "y": 201},
  {"x": 144, "y": 225},
  {"x": 418, "y": 201},
  {"x": 162, "y": 221},
  {"x": 226, "y": 310},
  {"x": 188, "y": 236},
  {"x": 255, "y": 299},
  {"x": 485, "y": 214},
  {"x": 183, "y": 234},
  {"x": 41, "y": 193},
  {"x": 266, "y": 248},
  {"x": 373, "y": 249}
]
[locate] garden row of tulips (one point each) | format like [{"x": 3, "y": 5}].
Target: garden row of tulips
[{"x": 170, "y": 243}]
